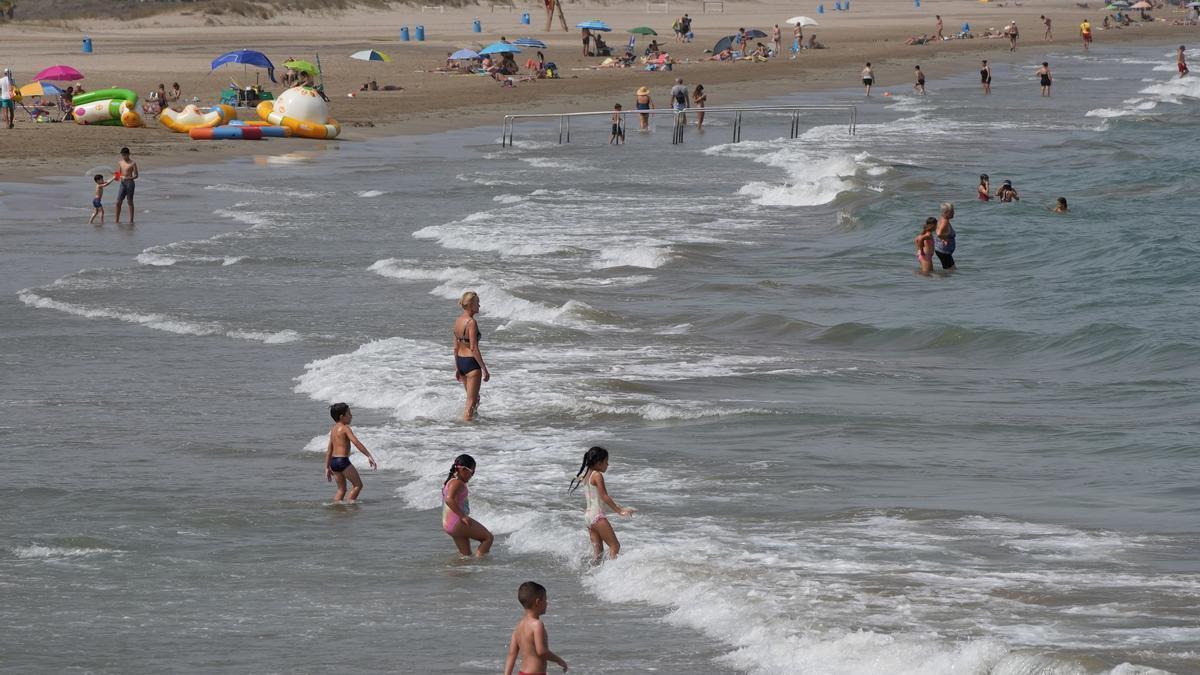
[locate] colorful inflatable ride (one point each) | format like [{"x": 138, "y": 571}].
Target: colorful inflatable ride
[
  {"x": 193, "y": 117},
  {"x": 109, "y": 107},
  {"x": 303, "y": 111}
]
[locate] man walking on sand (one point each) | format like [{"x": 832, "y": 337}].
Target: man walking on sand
[
  {"x": 940, "y": 37},
  {"x": 1047, "y": 36},
  {"x": 7, "y": 105},
  {"x": 127, "y": 173}
]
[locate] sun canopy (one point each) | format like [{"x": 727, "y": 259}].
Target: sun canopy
[
  {"x": 500, "y": 48},
  {"x": 370, "y": 55},
  {"x": 59, "y": 74},
  {"x": 246, "y": 57}
]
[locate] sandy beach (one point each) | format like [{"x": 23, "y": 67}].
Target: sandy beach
[{"x": 178, "y": 48}]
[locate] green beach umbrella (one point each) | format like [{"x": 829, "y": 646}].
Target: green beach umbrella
[
  {"x": 644, "y": 30},
  {"x": 303, "y": 66}
]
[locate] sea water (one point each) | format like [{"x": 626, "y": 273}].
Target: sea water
[{"x": 839, "y": 466}]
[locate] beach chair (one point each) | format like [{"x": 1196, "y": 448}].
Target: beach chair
[{"x": 229, "y": 96}]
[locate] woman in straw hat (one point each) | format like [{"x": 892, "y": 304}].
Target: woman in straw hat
[{"x": 644, "y": 102}]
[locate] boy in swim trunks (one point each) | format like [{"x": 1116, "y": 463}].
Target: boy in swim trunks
[
  {"x": 337, "y": 453},
  {"x": 618, "y": 126},
  {"x": 97, "y": 201},
  {"x": 529, "y": 639}
]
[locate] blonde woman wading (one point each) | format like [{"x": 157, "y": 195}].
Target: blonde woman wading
[{"x": 468, "y": 361}]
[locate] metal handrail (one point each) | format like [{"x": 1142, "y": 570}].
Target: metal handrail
[{"x": 564, "y": 119}]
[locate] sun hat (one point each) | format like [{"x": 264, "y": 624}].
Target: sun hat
[{"x": 643, "y": 91}]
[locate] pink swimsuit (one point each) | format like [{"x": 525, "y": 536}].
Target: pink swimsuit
[{"x": 450, "y": 519}]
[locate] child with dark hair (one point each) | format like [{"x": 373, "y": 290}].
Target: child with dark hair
[
  {"x": 456, "y": 509},
  {"x": 591, "y": 477},
  {"x": 530, "y": 640},
  {"x": 337, "y": 453},
  {"x": 98, "y": 200}
]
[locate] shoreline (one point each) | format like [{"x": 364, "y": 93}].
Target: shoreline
[{"x": 437, "y": 103}]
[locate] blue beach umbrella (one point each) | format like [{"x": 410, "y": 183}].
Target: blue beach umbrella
[
  {"x": 464, "y": 55},
  {"x": 246, "y": 57},
  {"x": 500, "y": 48},
  {"x": 532, "y": 43},
  {"x": 594, "y": 24}
]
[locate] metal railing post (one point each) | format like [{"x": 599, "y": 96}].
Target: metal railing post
[{"x": 568, "y": 129}]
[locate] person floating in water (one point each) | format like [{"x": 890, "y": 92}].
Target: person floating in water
[
  {"x": 1060, "y": 205},
  {"x": 1007, "y": 193},
  {"x": 530, "y": 642},
  {"x": 456, "y": 509},
  {"x": 924, "y": 244},
  {"x": 337, "y": 454},
  {"x": 591, "y": 477},
  {"x": 469, "y": 367}
]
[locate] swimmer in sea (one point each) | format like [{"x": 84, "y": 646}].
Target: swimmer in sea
[
  {"x": 456, "y": 509},
  {"x": 1046, "y": 80},
  {"x": 469, "y": 367},
  {"x": 1181, "y": 62},
  {"x": 985, "y": 76},
  {"x": 868, "y": 77},
  {"x": 924, "y": 244},
  {"x": 944, "y": 237},
  {"x": 984, "y": 191},
  {"x": 1060, "y": 205},
  {"x": 337, "y": 454},
  {"x": 530, "y": 642},
  {"x": 591, "y": 477},
  {"x": 1006, "y": 193}
]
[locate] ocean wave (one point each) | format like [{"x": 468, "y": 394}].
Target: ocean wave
[
  {"x": 649, "y": 257},
  {"x": 272, "y": 190},
  {"x": 158, "y": 259},
  {"x": 156, "y": 321},
  {"x": 367, "y": 194}
]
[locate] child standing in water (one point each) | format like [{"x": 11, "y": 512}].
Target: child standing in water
[
  {"x": 456, "y": 509},
  {"x": 337, "y": 454},
  {"x": 924, "y": 244},
  {"x": 618, "y": 126},
  {"x": 591, "y": 477},
  {"x": 530, "y": 640},
  {"x": 98, "y": 200}
]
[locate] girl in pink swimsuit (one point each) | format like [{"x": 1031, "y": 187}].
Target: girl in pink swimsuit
[
  {"x": 456, "y": 509},
  {"x": 924, "y": 243},
  {"x": 591, "y": 477}
]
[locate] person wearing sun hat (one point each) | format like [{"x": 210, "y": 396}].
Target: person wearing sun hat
[{"x": 644, "y": 102}]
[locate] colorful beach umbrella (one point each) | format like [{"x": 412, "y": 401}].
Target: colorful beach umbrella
[
  {"x": 40, "y": 89},
  {"x": 371, "y": 55},
  {"x": 594, "y": 24},
  {"x": 59, "y": 74},
  {"x": 464, "y": 55},
  {"x": 644, "y": 30},
  {"x": 802, "y": 21},
  {"x": 302, "y": 66},
  {"x": 532, "y": 43},
  {"x": 500, "y": 48},
  {"x": 246, "y": 57}
]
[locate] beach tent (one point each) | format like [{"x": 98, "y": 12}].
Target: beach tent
[{"x": 246, "y": 57}]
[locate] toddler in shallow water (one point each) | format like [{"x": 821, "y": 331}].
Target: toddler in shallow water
[
  {"x": 591, "y": 477},
  {"x": 97, "y": 201}
]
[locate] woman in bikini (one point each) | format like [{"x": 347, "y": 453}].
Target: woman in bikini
[
  {"x": 468, "y": 361},
  {"x": 699, "y": 99}
]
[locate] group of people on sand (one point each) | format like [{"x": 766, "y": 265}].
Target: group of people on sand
[
  {"x": 59, "y": 108},
  {"x": 529, "y": 639}
]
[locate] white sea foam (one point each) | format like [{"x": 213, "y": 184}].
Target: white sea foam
[
  {"x": 38, "y": 552},
  {"x": 367, "y": 194},
  {"x": 272, "y": 190},
  {"x": 650, "y": 257},
  {"x": 156, "y": 258},
  {"x": 156, "y": 321}
]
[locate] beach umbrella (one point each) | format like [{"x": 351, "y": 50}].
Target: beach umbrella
[
  {"x": 1141, "y": 5},
  {"x": 301, "y": 66},
  {"x": 370, "y": 55},
  {"x": 40, "y": 89},
  {"x": 755, "y": 33},
  {"x": 802, "y": 21},
  {"x": 59, "y": 74},
  {"x": 644, "y": 30},
  {"x": 464, "y": 55},
  {"x": 594, "y": 24},
  {"x": 532, "y": 43},
  {"x": 723, "y": 44},
  {"x": 246, "y": 57},
  {"x": 1194, "y": 4},
  {"x": 500, "y": 48}
]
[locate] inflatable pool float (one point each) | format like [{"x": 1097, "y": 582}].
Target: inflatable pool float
[
  {"x": 226, "y": 133},
  {"x": 267, "y": 129},
  {"x": 193, "y": 117},
  {"x": 302, "y": 110},
  {"x": 108, "y": 107}
]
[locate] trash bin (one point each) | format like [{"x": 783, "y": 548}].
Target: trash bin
[
  {"x": 917, "y": 3},
  {"x": 821, "y": 9},
  {"x": 837, "y": 6},
  {"x": 404, "y": 33},
  {"x": 87, "y": 45},
  {"x": 476, "y": 27},
  {"x": 525, "y": 18},
  {"x": 420, "y": 33}
]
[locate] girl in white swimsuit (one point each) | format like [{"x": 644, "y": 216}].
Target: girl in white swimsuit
[{"x": 591, "y": 477}]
